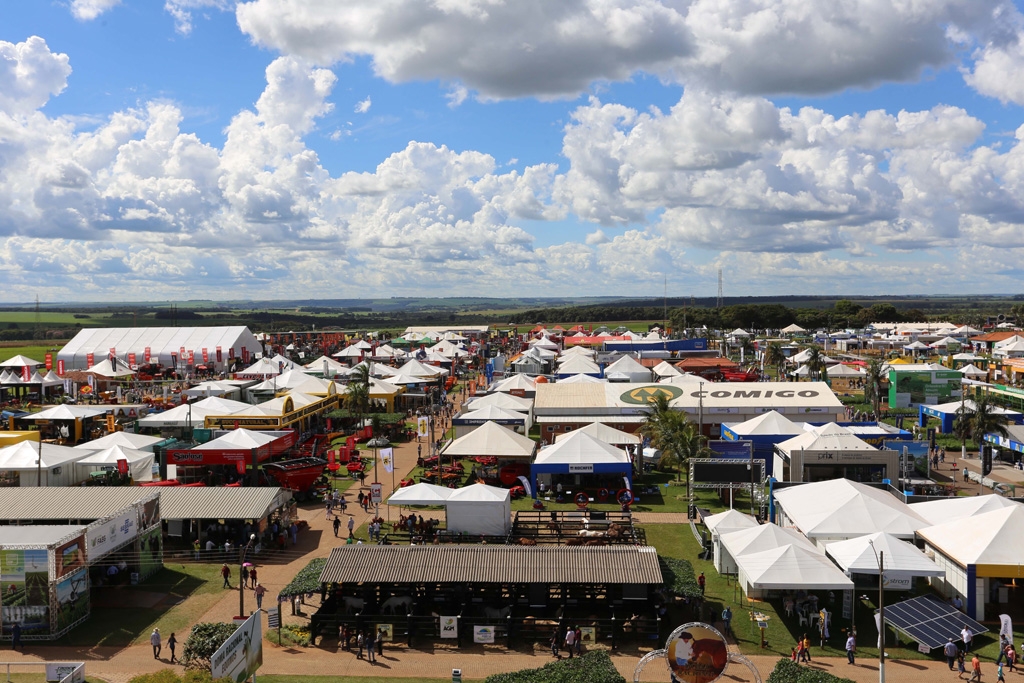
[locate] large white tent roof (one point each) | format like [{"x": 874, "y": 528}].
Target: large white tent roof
[
  {"x": 179, "y": 416},
  {"x": 792, "y": 329},
  {"x": 972, "y": 370},
  {"x": 989, "y": 538},
  {"x": 762, "y": 537},
  {"x": 20, "y": 361},
  {"x": 126, "y": 439},
  {"x": 332, "y": 366},
  {"x": 417, "y": 369},
  {"x": 481, "y": 493},
  {"x": 578, "y": 365},
  {"x": 580, "y": 379},
  {"x": 517, "y": 381},
  {"x": 237, "y": 438},
  {"x": 580, "y": 448},
  {"x": 106, "y": 369},
  {"x": 770, "y": 423},
  {"x": 730, "y": 519},
  {"x": 960, "y": 507},
  {"x": 791, "y": 566},
  {"x": 491, "y": 413},
  {"x": 66, "y": 412},
  {"x": 603, "y": 432},
  {"x": 140, "y": 463},
  {"x": 860, "y": 555},
  {"x": 628, "y": 365},
  {"x": 666, "y": 369},
  {"x": 420, "y": 494},
  {"x": 500, "y": 400},
  {"x": 267, "y": 367},
  {"x": 490, "y": 438},
  {"x": 841, "y": 508},
  {"x": 828, "y": 437},
  {"x": 161, "y": 341},
  {"x": 578, "y": 351},
  {"x": 25, "y": 455}
]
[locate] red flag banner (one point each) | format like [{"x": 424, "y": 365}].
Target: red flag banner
[
  {"x": 49, "y": 361},
  {"x": 60, "y": 367},
  {"x": 90, "y": 359},
  {"x": 146, "y": 355},
  {"x": 206, "y": 356},
  {"x": 191, "y": 357},
  {"x": 220, "y": 356},
  {"x": 26, "y": 373},
  {"x": 131, "y": 359}
]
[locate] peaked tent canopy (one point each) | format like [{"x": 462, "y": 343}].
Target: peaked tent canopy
[
  {"x": 20, "y": 361},
  {"x": 730, "y": 519},
  {"x": 840, "y": 509},
  {"x": 828, "y": 437},
  {"x": 162, "y": 343},
  {"x": 961, "y": 507},
  {"x": 666, "y": 369},
  {"x": 985, "y": 539},
  {"x": 580, "y": 379},
  {"x": 106, "y": 369},
  {"x": 603, "y": 432},
  {"x": 790, "y": 567},
  {"x": 762, "y": 537},
  {"x": 492, "y": 439},
  {"x": 139, "y": 442},
  {"x": 792, "y": 329},
  {"x": 860, "y": 555},
  {"x": 479, "y": 509},
  {"x": 140, "y": 463},
  {"x": 241, "y": 439},
  {"x": 499, "y": 400},
  {"x": 49, "y": 461},
  {"x": 772, "y": 423},
  {"x": 581, "y": 448},
  {"x": 420, "y": 494},
  {"x": 67, "y": 412}
]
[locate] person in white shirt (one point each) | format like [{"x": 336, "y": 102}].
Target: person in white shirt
[{"x": 967, "y": 637}]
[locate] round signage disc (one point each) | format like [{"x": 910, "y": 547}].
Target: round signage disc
[{"x": 696, "y": 653}]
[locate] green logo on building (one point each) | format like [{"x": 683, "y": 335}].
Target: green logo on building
[{"x": 648, "y": 394}]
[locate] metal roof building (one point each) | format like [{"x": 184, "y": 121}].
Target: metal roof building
[
  {"x": 221, "y": 502},
  {"x": 63, "y": 503},
  {"x": 493, "y": 564},
  {"x": 162, "y": 343}
]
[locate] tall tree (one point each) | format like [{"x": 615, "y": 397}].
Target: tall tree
[
  {"x": 976, "y": 419},
  {"x": 815, "y": 362},
  {"x": 876, "y": 376},
  {"x": 357, "y": 392},
  {"x": 673, "y": 434},
  {"x": 773, "y": 357}
]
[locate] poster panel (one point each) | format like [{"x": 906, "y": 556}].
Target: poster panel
[
  {"x": 69, "y": 556},
  {"x": 72, "y": 598},
  {"x": 103, "y": 538},
  {"x": 241, "y": 654}
]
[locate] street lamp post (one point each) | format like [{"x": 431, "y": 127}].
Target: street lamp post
[
  {"x": 881, "y": 613},
  {"x": 241, "y": 585}
]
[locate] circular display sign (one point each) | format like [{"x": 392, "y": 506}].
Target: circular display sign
[
  {"x": 649, "y": 393},
  {"x": 696, "y": 653}
]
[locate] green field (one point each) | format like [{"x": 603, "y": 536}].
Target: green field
[{"x": 35, "y": 352}]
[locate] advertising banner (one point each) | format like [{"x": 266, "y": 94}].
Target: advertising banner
[
  {"x": 48, "y": 361},
  {"x": 376, "y": 493},
  {"x": 60, "y": 367},
  {"x": 483, "y": 634},
  {"x": 220, "y": 355},
  {"x": 58, "y": 671},
  {"x": 449, "y": 627},
  {"x": 387, "y": 458},
  {"x": 70, "y": 556},
  {"x": 146, "y": 354},
  {"x": 422, "y": 427},
  {"x": 72, "y": 598},
  {"x": 25, "y": 580},
  {"x": 206, "y": 355},
  {"x": 101, "y": 538},
  {"x": 131, "y": 361},
  {"x": 242, "y": 654},
  {"x": 90, "y": 359}
]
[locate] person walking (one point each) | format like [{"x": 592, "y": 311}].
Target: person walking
[
  {"x": 950, "y": 650},
  {"x": 807, "y": 649},
  {"x": 259, "y": 592},
  {"x": 337, "y": 526},
  {"x": 851, "y": 648},
  {"x": 225, "y": 571},
  {"x": 172, "y": 644},
  {"x": 351, "y": 526},
  {"x": 700, "y": 582},
  {"x": 360, "y": 641},
  {"x": 999, "y": 674},
  {"x": 967, "y": 637},
  {"x": 555, "y": 643},
  {"x": 381, "y": 634},
  {"x": 154, "y": 640},
  {"x": 570, "y": 640},
  {"x": 343, "y": 504},
  {"x": 327, "y": 507},
  {"x": 245, "y": 576},
  {"x": 252, "y": 577},
  {"x": 16, "y": 637},
  {"x": 196, "y": 548},
  {"x": 370, "y": 645},
  {"x": 960, "y": 667},
  {"x": 975, "y": 669},
  {"x": 579, "y": 641}
]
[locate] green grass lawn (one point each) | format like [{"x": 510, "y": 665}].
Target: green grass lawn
[
  {"x": 189, "y": 592},
  {"x": 782, "y": 632}
]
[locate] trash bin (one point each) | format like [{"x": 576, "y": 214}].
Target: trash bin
[{"x": 456, "y": 675}]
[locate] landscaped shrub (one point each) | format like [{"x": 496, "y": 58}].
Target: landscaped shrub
[
  {"x": 172, "y": 676},
  {"x": 788, "y": 671},
  {"x": 679, "y": 577},
  {"x": 593, "y": 667},
  {"x": 203, "y": 642}
]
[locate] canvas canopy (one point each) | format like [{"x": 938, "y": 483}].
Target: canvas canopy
[
  {"x": 140, "y": 442},
  {"x": 515, "y": 382},
  {"x": 578, "y": 448},
  {"x": 504, "y": 401},
  {"x": 140, "y": 463},
  {"x": 578, "y": 366},
  {"x": 666, "y": 369},
  {"x": 762, "y": 537},
  {"x": 164, "y": 344},
  {"x": 860, "y": 556},
  {"x": 417, "y": 369},
  {"x": 739, "y": 332},
  {"x": 630, "y": 368},
  {"x": 268, "y": 367},
  {"x": 194, "y": 413},
  {"x": 971, "y": 370},
  {"x": 420, "y": 494},
  {"x": 603, "y": 432},
  {"x": 805, "y": 356},
  {"x": 961, "y": 507},
  {"x": 66, "y": 412},
  {"x": 212, "y": 388},
  {"x": 790, "y": 567},
  {"x": 792, "y": 329},
  {"x": 577, "y": 351},
  {"x": 492, "y": 439},
  {"x": 479, "y": 509},
  {"x": 29, "y": 457},
  {"x": 106, "y": 369},
  {"x": 579, "y": 379},
  {"x": 242, "y": 439},
  {"x": 985, "y": 539},
  {"x": 829, "y": 437},
  {"x": 20, "y": 361},
  {"x": 730, "y": 519},
  {"x": 772, "y": 423},
  {"x": 327, "y": 366},
  {"x": 840, "y": 509}
]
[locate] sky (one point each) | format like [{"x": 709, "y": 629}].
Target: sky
[{"x": 283, "y": 149}]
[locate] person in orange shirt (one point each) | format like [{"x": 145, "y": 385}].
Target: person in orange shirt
[{"x": 975, "y": 669}]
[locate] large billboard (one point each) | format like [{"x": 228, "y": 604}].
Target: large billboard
[
  {"x": 105, "y": 537},
  {"x": 25, "y": 581},
  {"x": 929, "y": 387}
]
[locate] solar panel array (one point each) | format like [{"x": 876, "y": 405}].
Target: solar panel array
[{"x": 929, "y": 621}]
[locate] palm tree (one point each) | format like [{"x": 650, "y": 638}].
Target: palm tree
[
  {"x": 873, "y": 383},
  {"x": 357, "y": 393},
  {"x": 773, "y": 357},
  {"x": 673, "y": 434},
  {"x": 815, "y": 362},
  {"x": 973, "y": 423}
]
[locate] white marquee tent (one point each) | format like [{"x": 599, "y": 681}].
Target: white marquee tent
[
  {"x": 961, "y": 507},
  {"x": 789, "y": 567},
  {"x": 420, "y": 494},
  {"x": 630, "y": 367},
  {"x": 731, "y": 544},
  {"x": 479, "y": 509},
  {"x": 54, "y": 465},
  {"x": 492, "y": 439},
  {"x": 603, "y": 432},
  {"x": 162, "y": 342},
  {"x": 902, "y": 560},
  {"x": 140, "y": 463}
]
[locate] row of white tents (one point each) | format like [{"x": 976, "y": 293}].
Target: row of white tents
[{"x": 831, "y": 529}]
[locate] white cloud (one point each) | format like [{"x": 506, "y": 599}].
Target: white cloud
[
  {"x": 363, "y": 106},
  {"x": 181, "y": 11},
  {"x": 30, "y": 74},
  {"x": 557, "y": 49},
  {"x": 87, "y": 10}
]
